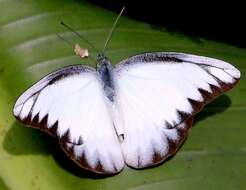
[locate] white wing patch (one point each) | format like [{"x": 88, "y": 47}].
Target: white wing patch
[
  {"x": 158, "y": 94},
  {"x": 74, "y": 109}
]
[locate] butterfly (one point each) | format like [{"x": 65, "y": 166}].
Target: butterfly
[{"x": 137, "y": 113}]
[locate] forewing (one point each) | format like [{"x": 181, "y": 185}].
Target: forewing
[
  {"x": 70, "y": 105},
  {"x": 158, "y": 93}
]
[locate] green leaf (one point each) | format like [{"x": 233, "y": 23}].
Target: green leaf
[{"x": 213, "y": 157}]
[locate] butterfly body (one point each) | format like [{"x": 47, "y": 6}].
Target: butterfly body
[{"x": 106, "y": 74}]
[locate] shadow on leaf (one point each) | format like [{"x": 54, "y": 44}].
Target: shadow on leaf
[
  {"x": 219, "y": 105},
  {"x": 21, "y": 140}
]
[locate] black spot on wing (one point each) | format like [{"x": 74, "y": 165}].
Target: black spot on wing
[
  {"x": 156, "y": 158},
  {"x": 139, "y": 161},
  {"x": 66, "y": 136},
  {"x": 172, "y": 145},
  {"x": 53, "y": 129},
  {"x": 35, "y": 120},
  {"x": 206, "y": 95},
  {"x": 183, "y": 115},
  {"x": 196, "y": 105},
  {"x": 99, "y": 167},
  {"x": 168, "y": 125},
  {"x": 80, "y": 141}
]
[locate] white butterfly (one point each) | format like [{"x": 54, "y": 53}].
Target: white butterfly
[{"x": 137, "y": 113}]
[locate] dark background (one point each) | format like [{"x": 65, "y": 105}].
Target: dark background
[{"x": 220, "y": 21}]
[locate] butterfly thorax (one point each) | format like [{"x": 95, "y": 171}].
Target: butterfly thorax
[{"x": 105, "y": 72}]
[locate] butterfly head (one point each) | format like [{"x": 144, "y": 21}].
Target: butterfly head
[{"x": 102, "y": 59}]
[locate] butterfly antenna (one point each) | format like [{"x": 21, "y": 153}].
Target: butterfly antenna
[
  {"x": 80, "y": 36},
  {"x": 68, "y": 42},
  {"x": 112, "y": 30}
]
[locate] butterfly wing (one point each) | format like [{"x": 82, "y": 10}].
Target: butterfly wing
[
  {"x": 70, "y": 105},
  {"x": 157, "y": 96}
]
